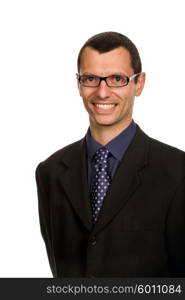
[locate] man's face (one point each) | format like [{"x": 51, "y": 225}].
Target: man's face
[{"x": 109, "y": 106}]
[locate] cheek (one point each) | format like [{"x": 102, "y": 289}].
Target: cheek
[
  {"x": 122, "y": 92},
  {"x": 84, "y": 93},
  {"x": 81, "y": 92},
  {"x": 121, "y": 97},
  {"x": 127, "y": 95}
]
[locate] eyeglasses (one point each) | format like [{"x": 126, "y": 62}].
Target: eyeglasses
[{"x": 111, "y": 81}]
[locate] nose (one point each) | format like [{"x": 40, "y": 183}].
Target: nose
[{"x": 103, "y": 91}]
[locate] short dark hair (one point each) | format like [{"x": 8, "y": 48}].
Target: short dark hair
[{"x": 107, "y": 41}]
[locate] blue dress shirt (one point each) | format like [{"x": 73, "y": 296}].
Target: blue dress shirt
[{"x": 117, "y": 147}]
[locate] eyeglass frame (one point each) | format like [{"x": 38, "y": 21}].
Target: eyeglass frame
[{"x": 105, "y": 79}]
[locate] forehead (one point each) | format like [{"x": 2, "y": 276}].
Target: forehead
[{"x": 114, "y": 61}]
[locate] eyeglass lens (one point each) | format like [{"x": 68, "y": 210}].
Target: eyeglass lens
[{"x": 113, "y": 80}]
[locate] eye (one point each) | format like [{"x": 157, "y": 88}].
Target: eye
[
  {"x": 90, "y": 78},
  {"x": 118, "y": 80}
]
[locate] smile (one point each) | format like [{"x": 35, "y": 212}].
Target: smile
[{"x": 104, "y": 106}]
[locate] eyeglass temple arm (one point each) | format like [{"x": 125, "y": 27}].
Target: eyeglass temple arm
[{"x": 133, "y": 76}]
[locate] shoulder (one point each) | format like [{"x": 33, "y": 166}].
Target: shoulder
[
  {"x": 159, "y": 148},
  {"x": 162, "y": 160},
  {"x": 163, "y": 151},
  {"x": 166, "y": 160},
  {"x": 58, "y": 158}
]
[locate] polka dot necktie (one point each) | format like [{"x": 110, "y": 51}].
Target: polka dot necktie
[{"x": 101, "y": 181}]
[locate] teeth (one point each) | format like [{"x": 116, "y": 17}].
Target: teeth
[{"x": 105, "y": 106}]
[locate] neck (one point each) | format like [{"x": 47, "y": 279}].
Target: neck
[{"x": 104, "y": 134}]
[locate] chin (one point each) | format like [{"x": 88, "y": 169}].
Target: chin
[{"x": 105, "y": 122}]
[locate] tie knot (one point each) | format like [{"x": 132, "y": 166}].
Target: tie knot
[{"x": 101, "y": 156}]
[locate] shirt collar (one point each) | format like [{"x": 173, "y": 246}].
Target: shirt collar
[{"x": 116, "y": 146}]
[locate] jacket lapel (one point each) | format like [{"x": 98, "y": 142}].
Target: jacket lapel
[
  {"x": 74, "y": 182},
  {"x": 126, "y": 180}
]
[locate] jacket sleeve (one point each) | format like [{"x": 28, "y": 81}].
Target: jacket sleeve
[
  {"x": 44, "y": 208},
  {"x": 176, "y": 233}
]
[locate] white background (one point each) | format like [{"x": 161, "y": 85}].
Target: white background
[{"x": 41, "y": 110}]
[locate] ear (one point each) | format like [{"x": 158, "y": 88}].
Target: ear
[{"x": 140, "y": 84}]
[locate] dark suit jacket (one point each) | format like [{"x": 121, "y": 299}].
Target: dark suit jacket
[{"x": 141, "y": 226}]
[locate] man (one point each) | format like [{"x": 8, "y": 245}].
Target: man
[{"x": 113, "y": 203}]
